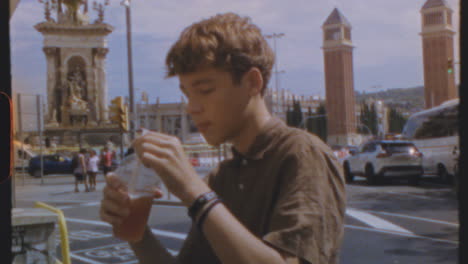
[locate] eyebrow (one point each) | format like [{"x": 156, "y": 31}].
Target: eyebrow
[{"x": 198, "y": 82}]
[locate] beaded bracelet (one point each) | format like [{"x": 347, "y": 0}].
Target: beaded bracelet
[
  {"x": 200, "y": 202},
  {"x": 204, "y": 214}
]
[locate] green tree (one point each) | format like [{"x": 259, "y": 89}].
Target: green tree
[
  {"x": 297, "y": 110},
  {"x": 322, "y": 122},
  {"x": 364, "y": 118},
  {"x": 368, "y": 119},
  {"x": 294, "y": 115},
  {"x": 396, "y": 121},
  {"x": 373, "y": 119},
  {"x": 289, "y": 118}
]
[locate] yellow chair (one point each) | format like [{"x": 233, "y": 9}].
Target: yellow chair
[{"x": 63, "y": 231}]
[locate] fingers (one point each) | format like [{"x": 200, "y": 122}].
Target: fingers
[
  {"x": 114, "y": 182},
  {"x": 108, "y": 217},
  {"x": 117, "y": 196},
  {"x": 156, "y": 150},
  {"x": 158, "y": 193},
  {"x": 115, "y": 205},
  {"x": 154, "y": 162}
]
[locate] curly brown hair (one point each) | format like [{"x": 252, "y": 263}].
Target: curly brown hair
[{"x": 225, "y": 41}]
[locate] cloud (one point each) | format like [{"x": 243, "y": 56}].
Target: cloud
[{"x": 385, "y": 34}]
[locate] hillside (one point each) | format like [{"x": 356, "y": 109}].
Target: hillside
[{"x": 405, "y": 100}]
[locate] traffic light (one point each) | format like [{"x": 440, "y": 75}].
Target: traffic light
[
  {"x": 119, "y": 113},
  {"x": 450, "y": 65},
  {"x": 124, "y": 123}
]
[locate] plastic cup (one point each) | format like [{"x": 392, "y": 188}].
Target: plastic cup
[{"x": 140, "y": 184}]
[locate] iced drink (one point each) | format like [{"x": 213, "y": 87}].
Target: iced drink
[{"x": 133, "y": 227}]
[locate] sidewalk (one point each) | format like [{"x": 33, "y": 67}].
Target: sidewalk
[{"x": 61, "y": 189}]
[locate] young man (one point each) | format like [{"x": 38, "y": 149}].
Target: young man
[{"x": 280, "y": 199}]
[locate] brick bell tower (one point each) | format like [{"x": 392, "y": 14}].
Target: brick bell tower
[
  {"x": 438, "y": 52},
  {"x": 339, "y": 80}
]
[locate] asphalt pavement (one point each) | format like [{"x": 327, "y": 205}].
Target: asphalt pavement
[{"x": 389, "y": 223}]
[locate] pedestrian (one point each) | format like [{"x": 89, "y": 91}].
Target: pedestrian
[
  {"x": 80, "y": 170},
  {"x": 279, "y": 199},
  {"x": 92, "y": 169},
  {"x": 106, "y": 160},
  {"x": 130, "y": 151}
]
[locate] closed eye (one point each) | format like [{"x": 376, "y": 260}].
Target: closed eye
[{"x": 207, "y": 91}]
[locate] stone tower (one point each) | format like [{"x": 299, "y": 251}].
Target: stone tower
[
  {"x": 438, "y": 52},
  {"x": 339, "y": 80},
  {"x": 75, "y": 50}
]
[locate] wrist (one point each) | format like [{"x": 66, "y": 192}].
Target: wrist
[{"x": 193, "y": 191}]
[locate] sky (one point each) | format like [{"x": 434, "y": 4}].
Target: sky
[{"x": 385, "y": 34}]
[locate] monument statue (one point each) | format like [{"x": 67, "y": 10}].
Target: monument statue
[
  {"x": 77, "y": 104},
  {"x": 73, "y": 11},
  {"x": 76, "y": 77}
]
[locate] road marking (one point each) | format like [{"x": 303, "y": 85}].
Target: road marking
[
  {"x": 80, "y": 205},
  {"x": 122, "y": 253},
  {"x": 86, "y": 260},
  {"x": 416, "y": 196},
  {"x": 160, "y": 232},
  {"x": 416, "y": 218},
  {"x": 375, "y": 221},
  {"x": 180, "y": 236},
  {"x": 89, "y": 222},
  {"x": 86, "y": 235},
  {"x": 51, "y": 201},
  {"x": 401, "y": 234}
]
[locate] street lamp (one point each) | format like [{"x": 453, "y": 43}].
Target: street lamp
[
  {"x": 279, "y": 99},
  {"x": 132, "y": 109},
  {"x": 274, "y": 36}
]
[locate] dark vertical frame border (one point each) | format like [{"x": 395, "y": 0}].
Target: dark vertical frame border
[
  {"x": 5, "y": 128},
  {"x": 462, "y": 195}
]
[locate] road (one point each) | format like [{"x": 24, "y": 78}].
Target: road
[{"x": 391, "y": 223}]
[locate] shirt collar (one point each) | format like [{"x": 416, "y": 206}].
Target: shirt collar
[{"x": 263, "y": 141}]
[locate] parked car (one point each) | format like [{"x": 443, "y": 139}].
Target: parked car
[
  {"x": 22, "y": 154},
  {"x": 54, "y": 163},
  {"x": 379, "y": 159},
  {"x": 342, "y": 152}
]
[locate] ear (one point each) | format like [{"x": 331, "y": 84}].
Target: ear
[{"x": 254, "y": 81}]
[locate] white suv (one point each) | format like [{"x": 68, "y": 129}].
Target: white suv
[{"x": 381, "y": 159}]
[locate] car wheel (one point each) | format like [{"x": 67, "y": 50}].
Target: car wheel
[
  {"x": 36, "y": 173},
  {"x": 442, "y": 173},
  {"x": 370, "y": 175},
  {"x": 347, "y": 172},
  {"x": 414, "y": 180}
]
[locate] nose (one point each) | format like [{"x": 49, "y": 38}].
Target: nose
[{"x": 194, "y": 107}]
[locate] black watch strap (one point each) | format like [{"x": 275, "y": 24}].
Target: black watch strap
[{"x": 200, "y": 202}]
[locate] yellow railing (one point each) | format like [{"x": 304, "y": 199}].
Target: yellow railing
[{"x": 63, "y": 231}]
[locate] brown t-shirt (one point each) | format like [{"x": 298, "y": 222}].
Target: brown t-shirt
[{"x": 288, "y": 190}]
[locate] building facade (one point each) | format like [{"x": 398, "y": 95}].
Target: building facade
[
  {"x": 172, "y": 119},
  {"x": 339, "y": 80},
  {"x": 438, "y": 53},
  {"x": 279, "y": 103},
  {"x": 75, "y": 50}
]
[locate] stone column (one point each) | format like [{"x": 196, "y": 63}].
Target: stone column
[
  {"x": 65, "y": 95},
  {"x": 102, "y": 84},
  {"x": 93, "y": 96},
  {"x": 51, "y": 54}
]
